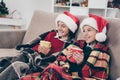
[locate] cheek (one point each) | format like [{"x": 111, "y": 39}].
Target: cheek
[
  {"x": 93, "y": 37},
  {"x": 66, "y": 30},
  {"x": 57, "y": 28},
  {"x": 92, "y": 33},
  {"x": 83, "y": 34}
]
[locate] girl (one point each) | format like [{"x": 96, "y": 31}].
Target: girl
[{"x": 67, "y": 25}]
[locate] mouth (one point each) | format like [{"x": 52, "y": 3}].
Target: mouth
[
  {"x": 86, "y": 38},
  {"x": 60, "y": 32}
]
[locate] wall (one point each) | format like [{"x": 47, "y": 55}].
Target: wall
[{"x": 27, "y": 7}]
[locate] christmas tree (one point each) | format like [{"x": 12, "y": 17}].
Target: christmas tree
[{"x": 3, "y": 9}]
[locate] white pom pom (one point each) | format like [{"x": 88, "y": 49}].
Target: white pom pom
[{"x": 101, "y": 37}]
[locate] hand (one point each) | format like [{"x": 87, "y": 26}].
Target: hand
[
  {"x": 68, "y": 54},
  {"x": 78, "y": 57},
  {"x": 43, "y": 50}
]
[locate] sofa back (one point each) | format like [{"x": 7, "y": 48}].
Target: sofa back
[
  {"x": 114, "y": 45},
  {"x": 45, "y": 21},
  {"x": 40, "y": 23}
]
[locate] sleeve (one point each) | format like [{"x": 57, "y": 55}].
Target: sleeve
[
  {"x": 34, "y": 42},
  {"x": 97, "y": 65},
  {"x": 41, "y": 37}
]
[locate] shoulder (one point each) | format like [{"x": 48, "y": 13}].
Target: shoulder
[{"x": 101, "y": 47}]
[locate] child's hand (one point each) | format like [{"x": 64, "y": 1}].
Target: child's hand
[
  {"x": 69, "y": 54},
  {"x": 75, "y": 56},
  {"x": 78, "y": 57},
  {"x": 43, "y": 50}
]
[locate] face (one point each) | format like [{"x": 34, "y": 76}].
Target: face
[
  {"x": 63, "y": 30},
  {"x": 89, "y": 34}
]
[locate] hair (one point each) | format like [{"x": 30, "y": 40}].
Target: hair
[{"x": 73, "y": 35}]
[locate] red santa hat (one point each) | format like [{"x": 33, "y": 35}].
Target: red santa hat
[
  {"x": 97, "y": 23},
  {"x": 70, "y": 20}
]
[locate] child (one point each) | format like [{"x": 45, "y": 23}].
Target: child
[
  {"x": 66, "y": 27},
  {"x": 96, "y": 64}
]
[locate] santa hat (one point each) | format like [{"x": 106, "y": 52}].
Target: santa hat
[
  {"x": 70, "y": 20},
  {"x": 97, "y": 23}
]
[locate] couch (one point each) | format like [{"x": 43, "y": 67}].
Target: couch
[{"x": 45, "y": 21}]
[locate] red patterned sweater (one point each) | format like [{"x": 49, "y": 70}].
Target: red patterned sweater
[{"x": 55, "y": 42}]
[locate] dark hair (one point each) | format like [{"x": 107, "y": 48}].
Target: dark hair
[{"x": 73, "y": 35}]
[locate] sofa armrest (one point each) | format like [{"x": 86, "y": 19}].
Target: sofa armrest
[{"x": 11, "y": 38}]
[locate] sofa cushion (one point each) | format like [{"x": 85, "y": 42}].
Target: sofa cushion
[
  {"x": 9, "y": 38},
  {"x": 8, "y": 52}
]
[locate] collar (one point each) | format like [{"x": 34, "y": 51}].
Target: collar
[
  {"x": 91, "y": 45},
  {"x": 57, "y": 36}
]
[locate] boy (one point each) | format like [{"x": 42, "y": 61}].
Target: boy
[{"x": 96, "y": 64}]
